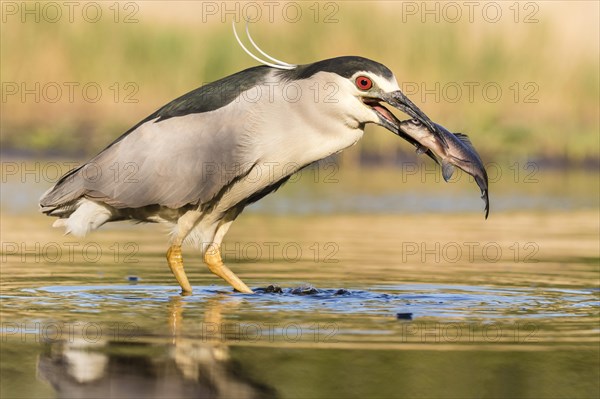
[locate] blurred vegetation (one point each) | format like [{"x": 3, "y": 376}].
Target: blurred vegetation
[{"x": 171, "y": 50}]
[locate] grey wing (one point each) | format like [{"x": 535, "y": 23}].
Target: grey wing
[{"x": 174, "y": 162}]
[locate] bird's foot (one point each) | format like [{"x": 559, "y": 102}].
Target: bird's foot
[
  {"x": 175, "y": 260},
  {"x": 215, "y": 264}
]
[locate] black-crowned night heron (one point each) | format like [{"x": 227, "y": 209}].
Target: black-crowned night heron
[{"x": 197, "y": 162}]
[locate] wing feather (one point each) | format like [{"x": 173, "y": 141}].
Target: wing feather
[
  {"x": 184, "y": 153},
  {"x": 178, "y": 161}
]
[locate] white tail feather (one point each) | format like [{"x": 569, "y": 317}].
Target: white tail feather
[{"x": 88, "y": 216}]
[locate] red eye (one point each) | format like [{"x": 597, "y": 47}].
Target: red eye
[{"x": 364, "y": 83}]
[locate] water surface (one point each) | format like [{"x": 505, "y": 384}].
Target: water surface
[{"x": 346, "y": 306}]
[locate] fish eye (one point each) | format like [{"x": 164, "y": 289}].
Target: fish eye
[{"x": 364, "y": 83}]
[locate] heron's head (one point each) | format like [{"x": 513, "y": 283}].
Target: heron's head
[
  {"x": 363, "y": 88},
  {"x": 367, "y": 82}
]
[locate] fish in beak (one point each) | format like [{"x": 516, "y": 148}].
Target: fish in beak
[
  {"x": 398, "y": 100},
  {"x": 431, "y": 139},
  {"x": 388, "y": 120},
  {"x": 459, "y": 152}
]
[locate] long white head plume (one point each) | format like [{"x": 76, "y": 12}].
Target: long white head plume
[
  {"x": 282, "y": 63},
  {"x": 279, "y": 64}
]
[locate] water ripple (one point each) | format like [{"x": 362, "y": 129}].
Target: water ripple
[{"x": 422, "y": 300}]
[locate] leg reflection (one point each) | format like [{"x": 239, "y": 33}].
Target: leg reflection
[{"x": 183, "y": 365}]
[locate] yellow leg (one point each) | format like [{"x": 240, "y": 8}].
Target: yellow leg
[
  {"x": 213, "y": 260},
  {"x": 175, "y": 260}
]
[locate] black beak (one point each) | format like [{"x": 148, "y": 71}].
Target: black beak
[{"x": 398, "y": 100}]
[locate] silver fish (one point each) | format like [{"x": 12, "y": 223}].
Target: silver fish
[{"x": 459, "y": 152}]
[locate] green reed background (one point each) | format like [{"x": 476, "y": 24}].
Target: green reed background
[{"x": 544, "y": 56}]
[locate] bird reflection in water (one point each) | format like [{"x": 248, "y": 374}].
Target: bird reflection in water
[{"x": 182, "y": 367}]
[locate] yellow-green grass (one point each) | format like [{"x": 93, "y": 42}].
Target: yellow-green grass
[{"x": 167, "y": 53}]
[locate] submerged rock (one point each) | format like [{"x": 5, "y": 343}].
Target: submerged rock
[
  {"x": 404, "y": 316},
  {"x": 342, "y": 291},
  {"x": 270, "y": 289},
  {"x": 305, "y": 290},
  {"x": 274, "y": 289}
]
